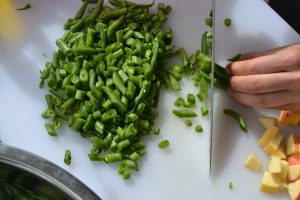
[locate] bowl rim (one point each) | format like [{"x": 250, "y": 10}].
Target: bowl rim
[{"x": 47, "y": 171}]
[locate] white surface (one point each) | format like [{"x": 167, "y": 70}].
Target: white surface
[
  {"x": 180, "y": 172},
  {"x": 255, "y": 26}
]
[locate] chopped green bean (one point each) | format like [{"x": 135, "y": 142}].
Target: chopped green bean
[
  {"x": 230, "y": 185},
  {"x": 123, "y": 144},
  {"x": 81, "y": 11},
  {"x": 227, "y": 22},
  {"x": 184, "y": 113},
  {"x": 179, "y": 102},
  {"x": 50, "y": 129},
  {"x": 204, "y": 110},
  {"x": 27, "y": 6},
  {"x": 188, "y": 122},
  {"x": 78, "y": 124},
  {"x": 48, "y": 113},
  {"x": 198, "y": 129},
  {"x": 163, "y": 144},
  {"x": 238, "y": 117},
  {"x": 191, "y": 98},
  {"x": 94, "y": 14},
  {"x": 156, "y": 131},
  {"x": 113, "y": 157},
  {"x": 68, "y": 157},
  {"x": 209, "y": 22}
]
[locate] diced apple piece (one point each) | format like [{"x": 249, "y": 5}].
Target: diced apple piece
[
  {"x": 284, "y": 170},
  {"x": 253, "y": 163},
  {"x": 268, "y": 135},
  {"x": 292, "y": 145},
  {"x": 275, "y": 165},
  {"x": 289, "y": 118},
  {"x": 294, "y": 172},
  {"x": 270, "y": 183},
  {"x": 294, "y": 190},
  {"x": 294, "y": 160},
  {"x": 279, "y": 153},
  {"x": 268, "y": 121},
  {"x": 273, "y": 145},
  {"x": 282, "y": 185}
]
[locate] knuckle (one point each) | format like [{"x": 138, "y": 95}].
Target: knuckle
[
  {"x": 233, "y": 83},
  {"x": 247, "y": 84},
  {"x": 263, "y": 102},
  {"x": 295, "y": 81},
  {"x": 251, "y": 67},
  {"x": 292, "y": 55},
  {"x": 253, "y": 85}
]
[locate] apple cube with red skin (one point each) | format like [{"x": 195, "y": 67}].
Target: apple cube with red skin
[
  {"x": 294, "y": 160},
  {"x": 293, "y": 145},
  {"x": 293, "y": 172},
  {"x": 289, "y": 118},
  {"x": 294, "y": 190}
]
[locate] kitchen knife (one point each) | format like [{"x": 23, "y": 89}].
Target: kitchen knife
[{"x": 212, "y": 92}]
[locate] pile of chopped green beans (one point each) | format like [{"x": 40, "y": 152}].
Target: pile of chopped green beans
[{"x": 105, "y": 78}]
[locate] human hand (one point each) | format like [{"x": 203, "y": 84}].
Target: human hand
[{"x": 268, "y": 79}]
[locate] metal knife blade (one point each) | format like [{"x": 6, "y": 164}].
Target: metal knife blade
[{"x": 212, "y": 92}]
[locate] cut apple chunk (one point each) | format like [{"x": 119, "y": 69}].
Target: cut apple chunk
[
  {"x": 253, "y": 163},
  {"x": 289, "y": 118},
  {"x": 268, "y": 135},
  {"x": 294, "y": 190},
  {"x": 294, "y": 172},
  {"x": 294, "y": 160},
  {"x": 284, "y": 170},
  {"x": 273, "y": 145},
  {"x": 292, "y": 145},
  {"x": 271, "y": 183},
  {"x": 275, "y": 165},
  {"x": 279, "y": 153},
  {"x": 268, "y": 121}
]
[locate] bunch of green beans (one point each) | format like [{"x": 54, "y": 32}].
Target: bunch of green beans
[{"x": 106, "y": 76}]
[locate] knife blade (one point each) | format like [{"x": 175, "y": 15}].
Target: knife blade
[{"x": 212, "y": 91}]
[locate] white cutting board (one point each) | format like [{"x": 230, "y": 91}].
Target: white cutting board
[{"x": 179, "y": 172}]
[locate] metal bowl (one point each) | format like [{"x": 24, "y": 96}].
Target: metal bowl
[{"x": 24, "y": 175}]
